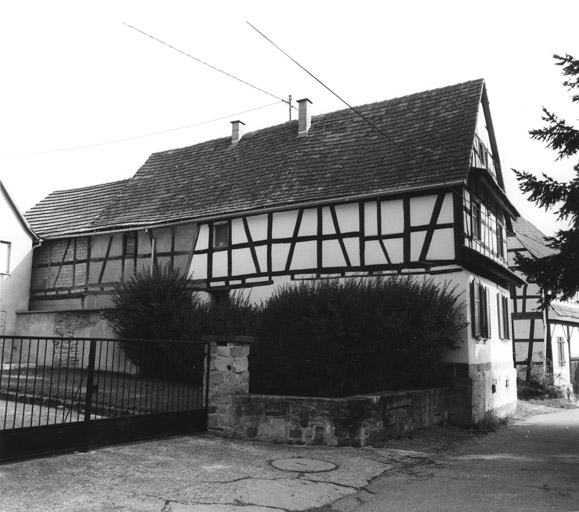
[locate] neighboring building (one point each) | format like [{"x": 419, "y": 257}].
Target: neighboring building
[
  {"x": 532, "y": 342},
  {"x": 16, "y": 239},
  {"x": 420, "y": 192}
]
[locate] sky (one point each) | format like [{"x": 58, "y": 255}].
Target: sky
[{"x": 85, "y": 98}]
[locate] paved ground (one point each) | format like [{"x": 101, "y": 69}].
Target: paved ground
[
  {"x": 17, "y": 415},
  {"x": 533, "y": 465},
  {"x": 522, "y": 466}
]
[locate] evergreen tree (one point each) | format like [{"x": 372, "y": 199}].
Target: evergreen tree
[{"x": 558, "y": 274}]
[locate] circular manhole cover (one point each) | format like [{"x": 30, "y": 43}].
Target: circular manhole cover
[{"x": 303, "y": 465}]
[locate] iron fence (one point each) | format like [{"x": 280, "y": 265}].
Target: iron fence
[{"x": 51, "y": 380}]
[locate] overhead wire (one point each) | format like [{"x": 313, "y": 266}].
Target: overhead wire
[
  {"x": 138, "y": 136},
  {"x": 353, "y": 109},
  {"x": 208, "y": 65}
]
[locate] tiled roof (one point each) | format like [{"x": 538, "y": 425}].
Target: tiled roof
[
  {"x": 531, "y": 238},
  {"x": 568, "y": 310},
  {"x": 70, "y": 211},
  {"x": 342, "y": 156}
]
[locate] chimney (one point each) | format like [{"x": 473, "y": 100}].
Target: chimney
[
  {"x": 236, "y": 131},
  {"x": 304, "y": 116}
]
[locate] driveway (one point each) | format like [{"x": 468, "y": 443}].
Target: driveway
[{"x": 532, "y": 465}]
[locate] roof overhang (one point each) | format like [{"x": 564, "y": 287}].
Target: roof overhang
[
  {"x": 499, "y": 193},
  {"x": 481, "y": 264}
]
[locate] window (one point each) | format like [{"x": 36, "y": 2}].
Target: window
[
  {"x": 480, "y": 311},
  {"x": 221, "y": 234},
  {"x": 476, "y": 220},
  {"x": 504, "y": 317},
  {"x": 500, "y": 241},
  {"x": 130, "y": 244},
  {"x": 4, "y": 257},
  {"x": 561, "y": 345}
]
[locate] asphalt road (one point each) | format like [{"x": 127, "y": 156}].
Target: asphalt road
[{"x": 532, "y": 465}]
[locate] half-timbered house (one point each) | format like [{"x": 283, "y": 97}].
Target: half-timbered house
[
  {"x": 535, "y": 346},
  {"x": 410, "y": 185}
]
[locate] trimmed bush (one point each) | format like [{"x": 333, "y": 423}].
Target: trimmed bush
[
  {"x": 160, "y": 305},
  {"x": 338, "y": 338}
]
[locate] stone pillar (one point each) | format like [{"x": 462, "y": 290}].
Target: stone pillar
[{"x": 228, "y": 376}]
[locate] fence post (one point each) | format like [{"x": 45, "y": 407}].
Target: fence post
[
  {"x": 228, "y": 375},
  {"x": 89, "y": 393}
]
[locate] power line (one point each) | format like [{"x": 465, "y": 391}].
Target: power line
[
  {"x": 341, "y": 99},
  {"x": 138, "y": 136},
  {"x": 208, "y": 65}
]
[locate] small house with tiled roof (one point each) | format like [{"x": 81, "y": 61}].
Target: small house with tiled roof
[
  {"x": 534, "y": 344},
  {"x": 16, "y": 239},
  {"x": 410, "y": 185}
]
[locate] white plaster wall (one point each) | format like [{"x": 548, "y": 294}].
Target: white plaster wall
[
  {"x": 471, "y": 351},
  {"x": 14, "y": 285},
  {"x": 490, "y": 362}
]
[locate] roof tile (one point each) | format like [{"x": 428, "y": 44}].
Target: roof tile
[{"x": 428, "y": 141}]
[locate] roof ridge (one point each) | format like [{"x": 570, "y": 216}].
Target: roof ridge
[{"x": 88, "y": 187}]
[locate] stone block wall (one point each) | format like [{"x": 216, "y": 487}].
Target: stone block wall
[
  {"x": 352, "y": 421},
  {"x": 228, "y": 377}
]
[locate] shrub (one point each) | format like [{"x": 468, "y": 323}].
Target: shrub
[
  {"x": 331, "y": 338},
  {"x": 158, "y": 305},
  {"x": 541, "y": 385},
  {"x": 233, "y": 316}
]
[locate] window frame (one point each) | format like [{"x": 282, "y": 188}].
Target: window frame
[
  {"x": 225, "y": 229},
  {"x": 130, "y": 240},
  {"x": 476, "y": 225},
  {"x": 504, "y": 317},
  {"x": 480, "y": 311},
  {"x": 500, "y": 240}
]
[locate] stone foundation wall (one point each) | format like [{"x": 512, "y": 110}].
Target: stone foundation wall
[{"x": 352, "y": 421}]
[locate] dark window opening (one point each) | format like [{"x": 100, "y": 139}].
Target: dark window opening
[
  {"x": 130, "y": 244},
  {"x": 500, "y": 241},
  {"x": 221, "y": 235},
  {"x": 476, "y": 220}
]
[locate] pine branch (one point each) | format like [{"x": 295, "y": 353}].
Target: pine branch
[
  {"x": 544, "y": 193},
  {"x": 570, "y": 67},
  {"x": 558, "y": 135}
]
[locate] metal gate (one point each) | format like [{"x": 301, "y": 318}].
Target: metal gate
[{"x": 69, "y": 394}]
